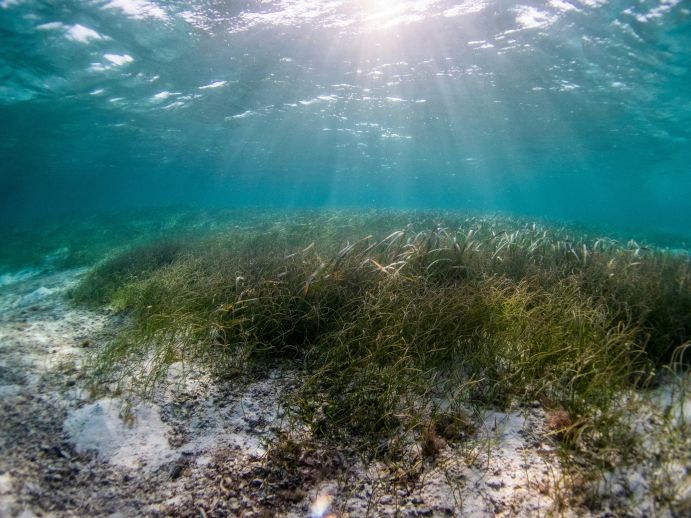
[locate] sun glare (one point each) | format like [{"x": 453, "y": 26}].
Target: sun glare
[{"x": 382, "y": 14}]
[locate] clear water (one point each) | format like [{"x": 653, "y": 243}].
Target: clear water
[{"x": 575, "y": 110}]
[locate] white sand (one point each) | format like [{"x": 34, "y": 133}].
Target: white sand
[{"x": 98, "y": 426}]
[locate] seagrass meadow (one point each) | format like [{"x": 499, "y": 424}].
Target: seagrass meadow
[
  {"x": 404, "y": 324},
  {"x": 400, "y": 331}
]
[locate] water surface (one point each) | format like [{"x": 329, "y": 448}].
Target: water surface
[{"x": 576, "y": 110}]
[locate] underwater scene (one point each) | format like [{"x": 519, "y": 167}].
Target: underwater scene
[{"x": 344, "y": 258}]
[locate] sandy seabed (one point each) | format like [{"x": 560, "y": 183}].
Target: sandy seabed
[{"x": 199, "y": 448}]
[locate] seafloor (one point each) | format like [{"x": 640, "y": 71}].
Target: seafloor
[
  {"x": 199, "y": 448},
  {"x": 72, "y": 444}
]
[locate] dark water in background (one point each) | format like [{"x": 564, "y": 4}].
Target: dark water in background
[{"x": 570, "y": 109}]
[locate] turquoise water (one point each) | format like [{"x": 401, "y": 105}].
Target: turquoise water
[{"x": 576, "y": 110}]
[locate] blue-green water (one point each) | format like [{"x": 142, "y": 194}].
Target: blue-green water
[{"x": 575, "y": 110}]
